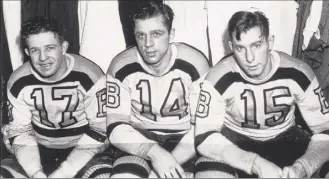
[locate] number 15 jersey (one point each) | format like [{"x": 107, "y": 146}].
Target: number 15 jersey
[
  {"x": 260, "y": 109},
  {"x": 157, "y": 102}
]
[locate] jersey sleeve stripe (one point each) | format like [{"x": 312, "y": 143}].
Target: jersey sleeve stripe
[
  {"x": 201, "y": 137},
  {"x": 113, "y": 125},
  {"x": 60, "y": 132},
  {"x": 186, "y": 67},
  {"x": 325, "y": 132},
  {"x": 127, "y": 70},
  {"x": 95, "y": 135},
  {"x": 30, "y": 80}
]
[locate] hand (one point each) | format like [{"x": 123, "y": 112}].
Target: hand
[
  {"x": 153, "y": 174},
  {"x": 57, "y": 174},
  {"x": 39, "y": 174},
  {"x": 164, "y": 163},
  {"x": 294, "y": 171},
  {"x": 266, "y": 169}
]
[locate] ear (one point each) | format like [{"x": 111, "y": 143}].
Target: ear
[
  {"x": 271, "y": 42},
  {"x": 230, "y": 45},
  {"x": 65, "y": 46},
  {"x": 171, "y": 35},
  {"x": 26, "y": 51}
]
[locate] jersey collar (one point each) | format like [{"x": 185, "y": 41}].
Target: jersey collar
[{"x": 275, "y": 60}]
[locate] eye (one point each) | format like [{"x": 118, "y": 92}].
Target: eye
[
  {"x": 33, "y": 50},
  {"x": 257, "y": 45},
  {"x": 239, "y": 48},
  {"x": 156, "y": 34},
  {"x": 140, "y": 36},
  {"x": 50, "y": 48}
]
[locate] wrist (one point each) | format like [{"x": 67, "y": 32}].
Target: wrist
[
  {"x": 300, "y": 168},
  {"x": 35, "y": 174},
  {"x": 66, "y": 169},
  {"x": 256, "y": 166},
  {"x": 152, "y": 152}
]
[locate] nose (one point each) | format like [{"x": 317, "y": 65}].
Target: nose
[
  {"x": 250, "y": 56},
  {"x": 43, "y": 56},
  {"x": 149, "y": 42}
]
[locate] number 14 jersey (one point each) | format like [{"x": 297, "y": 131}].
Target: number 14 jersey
[
  {"x": 157, "y": 102},
  {"x": 261, "y": 109}
]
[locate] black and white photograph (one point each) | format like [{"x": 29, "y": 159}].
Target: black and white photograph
[{"x": 164, "y": 88}]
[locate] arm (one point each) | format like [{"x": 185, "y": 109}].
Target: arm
[
  {"x": 209, "y": 141},
  {"x": 121, "y": 134},
  {"x": 315, "y": 111},
  {"x": 20, "y": 133},
  {"x": 184, "y": 150},
  {"x": 93, "y": 140}
]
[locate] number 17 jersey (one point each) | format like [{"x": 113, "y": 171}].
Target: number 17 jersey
[{"x": 156, "y": 102}]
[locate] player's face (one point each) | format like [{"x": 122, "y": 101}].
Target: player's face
[
  {"x": 252, "y": 53},
  {"x": 47, "y": 54},
  {"x": 153, "y": 39}
]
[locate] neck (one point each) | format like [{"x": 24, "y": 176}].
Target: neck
[{"x": 163, "y": 63}]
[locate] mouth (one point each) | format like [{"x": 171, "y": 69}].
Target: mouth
[
  {"x": 151, "y": 53},
  {"x": 45, "y": 65},
  {"x": 253, "y": 67}
]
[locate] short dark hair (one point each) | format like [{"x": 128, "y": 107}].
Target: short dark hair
[
  {"x": 38, "y": 25},
  {"x": 153, "y": 9},
  {"x": 242, "y": 21}
]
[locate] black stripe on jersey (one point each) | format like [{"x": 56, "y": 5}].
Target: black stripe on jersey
[
  {"x": 5, "y": 173},
  {"x": 95, "y": 135},
  {"x": 29, "y": 80},
  {"x": 127, "y": 70},
  {"x": 282, "y": 73},
  {"x": 60, "y": 132},
  {"x": 131, "y": 168},
  {"x": 201, "y": 137},
  {"x": 325, "y": 132},
  {"x": 100, "y": 172},
  {"x": 113, "y": 125},
  {"x": 214, "y": 166},
  {"x": 187, "y": 68}
]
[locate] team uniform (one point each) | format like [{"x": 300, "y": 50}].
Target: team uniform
[
  {"x": 156, "y": 105},
  {"x": 57, "y": 117},
  {"x": 259, "y": 115}
]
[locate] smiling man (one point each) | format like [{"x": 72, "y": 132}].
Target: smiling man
[
  {"x": 148, "y": 107},
  {"x": 58, "y": 123},
  {"x": 246, "y": 121}
]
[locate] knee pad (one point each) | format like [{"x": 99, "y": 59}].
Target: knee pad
[
  {"x": 98, "y": 167},
  {"x": 131, "y": 165},
  {"x": 208, "y": 168}
]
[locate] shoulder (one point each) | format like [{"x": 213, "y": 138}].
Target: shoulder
[
  {"x": 86, "y": 67},
  {"x": 191, "y": 55},
  {"x": 124, "y": 64},
  {"x": 295, "y": 69},
  {"x": 223, "y": 70},
  {"x": 289, "y": 62},
  {"x": 18, "y": 76}
]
